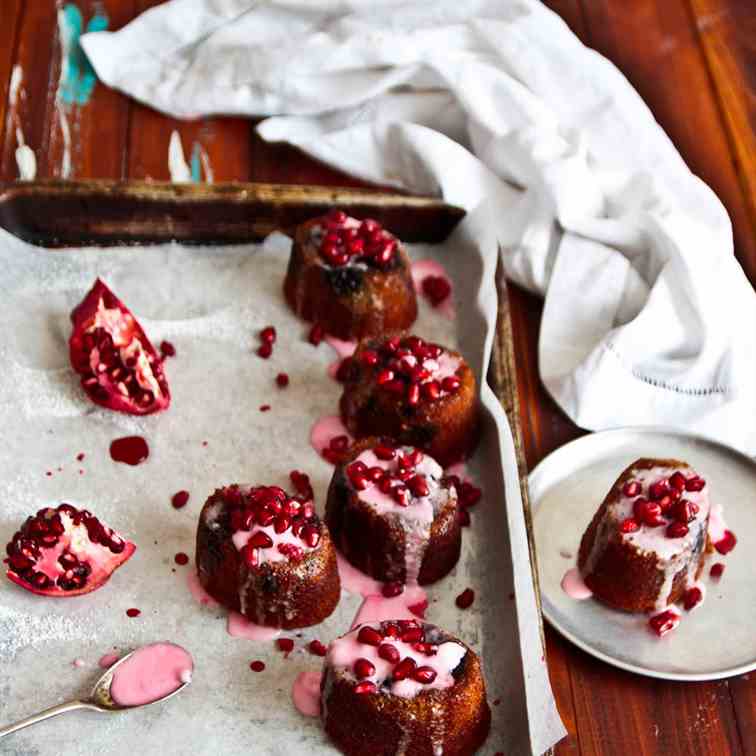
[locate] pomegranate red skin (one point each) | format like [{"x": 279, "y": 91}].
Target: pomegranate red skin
[
  {"x": 105, "y": 393},
  {"x": 92, "y": 584}
]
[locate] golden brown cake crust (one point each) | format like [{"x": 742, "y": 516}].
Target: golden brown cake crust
[
  {"x": 448, "y": 428},
  {"x": 375, "y": 544},
  {"x": 285, "y": 594},
  {"x": 377, "y": 724},
  {"x": 385, "y": 300},
  {"x": 621, "y": 576}
]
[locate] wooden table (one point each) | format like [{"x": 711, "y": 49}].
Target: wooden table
[{"x": 694, "y": 62}]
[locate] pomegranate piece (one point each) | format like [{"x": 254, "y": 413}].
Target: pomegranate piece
[
  {"x": 692, "y": 597},
  {"x": 118, "y": 364},
  {"x": 727, "y": 543},
  {"x": 465, "y": 599},
  {"x": 662, "y": 623},
  {"x": 717, "y": 570},
  {"x": 64, "y": 551}
]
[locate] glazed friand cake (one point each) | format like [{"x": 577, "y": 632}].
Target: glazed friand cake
[
  {"x": 403, "y": 687},
  {"x": 646, "y": 544},
  {"x": 351, "y": 277},
  {"x": 393, "y": 514},
  {"x": 416, "y": 392},
  {"x": 267, "y": 555}
]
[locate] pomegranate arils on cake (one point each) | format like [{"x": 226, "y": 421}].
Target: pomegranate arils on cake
[
  {"x": 345, "y": 240},
  {"x": 366, "y": 686},
  {"x": 727, "y": 543},
  {"x": 692, "y": 597},
  {"x": 364, "y": 668},
  {"x": 662, "y": 623},
  {"x": 425, "y": 675},
  {"x": 301, "y": 482},
  {"x": 631, "y": 488},
  {"x": 658, "y": 489},
  {"x": 390, "y": 590},
  {"x": 370, "y": 636},
  {"x": 629, "y": 525},
  {"x": 118, "y": 364},
  {"x": 677, "y": 530},
  {"x": 695, "y": 483},
  {"x": 64, "y": 551},
  {"x": 677, "y": 481},
  {"x": 404, "y": 669},
  {"x": 436, "y": 288}
]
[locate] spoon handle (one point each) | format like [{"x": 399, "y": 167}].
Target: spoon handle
[{"x": 46, "y": 714}]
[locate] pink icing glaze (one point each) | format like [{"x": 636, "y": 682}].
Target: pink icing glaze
[
  {"x": 272, "y": 554},
  {"x": 150, "y": 674},
  {"x": 198, "y": 592},
  {"x": 306, "y": 693},
  {"x": 574, "y": 586},
  {"x": 344, "y": 652},
  {"x": 717, "y": 524},
  {"x": 108, "y": 660},
  {"x": 380, "y": 608},
  {"x": 343, "y": 349},
  {"x": 354, "y": 581},
  {"x": 325, "y": 429},
  {"x": 420, "y": 270},
  {"x": 239, "y": 626}
]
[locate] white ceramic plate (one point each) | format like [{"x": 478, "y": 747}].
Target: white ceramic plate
[{"x": 715, "y": 640}]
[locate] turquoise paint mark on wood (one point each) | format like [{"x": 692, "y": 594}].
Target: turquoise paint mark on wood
[{"x": 77, "y": 77}]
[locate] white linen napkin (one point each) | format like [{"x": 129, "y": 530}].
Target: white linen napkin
[{"x": 648, "y": 317}]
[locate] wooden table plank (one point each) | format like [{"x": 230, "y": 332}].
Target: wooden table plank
[
  {"x": 727, "y": 32},
  {"x": 8, "y": 37}
]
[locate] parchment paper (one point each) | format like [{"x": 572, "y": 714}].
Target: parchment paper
[{"x": 210, "y": 303}]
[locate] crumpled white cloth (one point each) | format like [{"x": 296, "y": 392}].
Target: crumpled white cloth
[{"x": 648, "y": 317}]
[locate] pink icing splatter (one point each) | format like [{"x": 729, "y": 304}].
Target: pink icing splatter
[
  {"x": 239, "y": 626},
  {"x": 343, "y": 349},
  {"x": 354, "y": 581},
  {"x": 306, "y": 693},
  {"x": 420, "y": 270},
  {"x": 573, "y": 585},
  {"x": 325, "y": 429},
  {"x": 198, "y": 592}
]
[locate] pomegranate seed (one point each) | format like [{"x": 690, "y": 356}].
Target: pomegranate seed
[
  {"x": 265, "y": 350},
  {"x": 167, "y": 349},
  {"x": 677, "y": 481},
  {"x": 369, "y": 636},
  {"x": 418, "y": 485},
  {"x": 282, "y": 380},
  {"x": 257, "y": 666},
  {"x": 384, "y": 452},
  {"x": 316, "y": 648},
  {"x": 260, "y": 540},
  {"x": 404, "y": 669},
  {"x": 386, "y": 484},
  {"x": 374, "y": 473},
  {"x": 264, "y": 518},
  {"x": 301, "y": 483},
  {"x": 436, "y": 288},
  {"x": 413, "y": 635},
  {"x": 179, "y": 499},
  {"x": 337, "y": 217},
  {"x": 413, "y": 394},
  {"x": 264, "y": 408},
  {"x": 366, "y": 686},
  {"x": 286, "y": 645},
  {"x": 677, "y": 530},
  {"x": 662, "y": 623},
  {"x": 339, "y": 443},
  {"x": 425, "y": 675},
  {"x": 294, "y": 553},
  {"x": 401, "y": 495},
  {"x": 281, "y": 524},
  {"x": 316, "y": 335},
  {"x": 691, "y": 598},
  {"x": 364, "y": 668},
  {"x": 469, "y": 495},
  {"x": 133, "y": 612},
  {"x": 384, "y": 377},
  {"x": 389, "y": 590},
  {"x": 666, "y": 502},
  {"x": 644, "y": 510},
  {"x": 727, "y": 543},
  {"x": 181, "y": 558},
  {"x": 631, "y": 488},
  {"x": 682, "y": 511},
  {"x": 310, "y": 535},
  {"x": 431, "y": 390},
  {"x": 658, "y": 489},
  {"x": 629, "y": 525},
  {"x": 695, "y": 484},
  {"x": 717, "y": 570},
  {"x": 369, "y": 357},
  {"x": 451, "y": 383},
  {"x": 268, "y": 335},
  {"x": 388, "y": 652},
  {"x": 249, "y": 555},
  {"x": 465, "y": 599}
]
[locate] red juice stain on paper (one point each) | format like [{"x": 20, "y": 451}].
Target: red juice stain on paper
[{"x": 131, "y": 450}]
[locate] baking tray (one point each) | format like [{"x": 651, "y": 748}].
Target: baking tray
[{"x": 58, "y": 214}]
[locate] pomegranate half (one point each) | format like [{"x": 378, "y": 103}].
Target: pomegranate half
[
  {"x": 64, "y": 551},
  {"x": 119, "y": 367}
]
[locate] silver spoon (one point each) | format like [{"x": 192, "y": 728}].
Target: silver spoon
[{"x": 99, "y": 700}]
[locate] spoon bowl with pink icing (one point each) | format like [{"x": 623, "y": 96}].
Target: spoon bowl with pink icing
[{"x": 148, "y": 675}]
